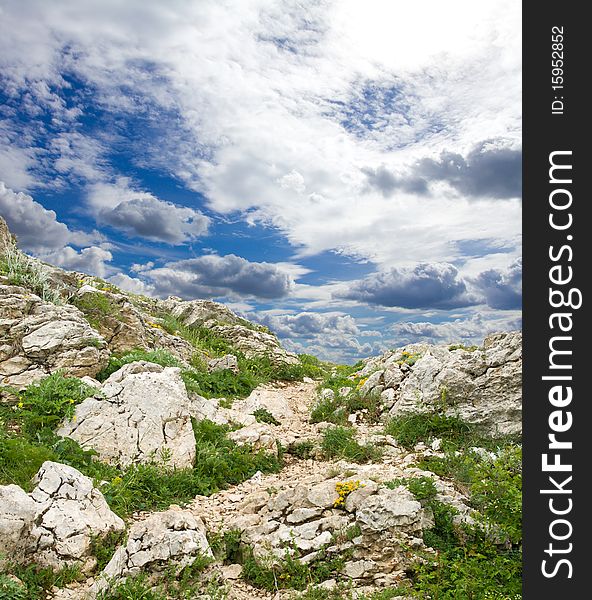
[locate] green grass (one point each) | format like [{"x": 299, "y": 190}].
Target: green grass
[
  {"x": 290, "y": 572},
  {"x": 463, "y": 347},
  {"x": 27, "y": 440},
  {"x": 24, "y": 271},
  {"x": 340, "y": 442},
  {"x": 336, "y": 409},
  {"x": 97, "y": 307},
  {"x": 469, "y": 563},
  {"x": 46, "y": 404},
  {"x": 160, "y": 357},
  {"x": 36, "y": 581},
  {"x": 302, "y": 450}
]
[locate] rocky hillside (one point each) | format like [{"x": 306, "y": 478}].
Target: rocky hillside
[{"x": 169, "y": 449}]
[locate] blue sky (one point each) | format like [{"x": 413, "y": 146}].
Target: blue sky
[{"x": 347, "y": 173}]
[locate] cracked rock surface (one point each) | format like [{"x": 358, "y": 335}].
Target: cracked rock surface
[
  {"x": 174, "y": 536},
  {"x": 482, "y": 386},
  {"x": 57, "y": 520},
  {"x": 38, "y": 338},
  {"x": 141, "y": 413}
]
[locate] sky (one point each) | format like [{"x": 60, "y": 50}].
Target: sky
[{"x": 347, "y": 173}]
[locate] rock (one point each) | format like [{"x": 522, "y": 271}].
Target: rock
[
  {"x": 390, "y": 509},
  {"x": 17, "y": 515},
  {"x": 232, "y": 571},
  {"x": 357, "y": 569},
  {"x": 323, "y": 494},
  {"x": 228, "y": 361},
  {"x": 7, "y": 240},
  {"x": 257, "y": 435},
  {"x": 483, "y": 386},
  {"x": 126, "y": 327},
  {"x": 253, "y": 341},
  {"x": 38, "y": 338},
  {"x": 141, "y": 414},
  {"x": 269, "y": 399},
  {"x": 173, "y": 537},
  {"x": 69, "y": 511}
]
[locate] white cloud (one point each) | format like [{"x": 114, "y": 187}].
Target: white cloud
[
  {"x": 37, "y": 229},
  {"x": 140, "y": 214},
  {"x": 274, "y": 109},
  {"x": 88, "y": 260}
]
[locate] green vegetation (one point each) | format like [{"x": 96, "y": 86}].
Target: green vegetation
[
  {"x": 97, "y": 307},
  {"x": 477, "y": 561},
  {"x": 27, "y": 440},
  {"x": 336, "y": 408},
  {"x": 264, "y": 416},
  {"x": 409, "y": 358},
  {"x": 24, "y": 271},
  {"x": 408, "y": 430},
  {"x": 103, "y": 548},
  {"x": 290, "y": 572},
  {"x": 36, "y": 581},
  {"x": 226, "y": 545},
  {"x": 302, "y": 450},
  {"x": 116, "y": 361},
  {"x": 340, "y": 442},
  {"x": 463, "y": 347}
]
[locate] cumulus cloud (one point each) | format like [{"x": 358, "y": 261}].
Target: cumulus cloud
[
  {"x": 90, "y": 260},
  {"x": 36, "y": 228},
  {"x": 308, "y": 324},
  {"x": 131, "y": 284},
  {"x": 502, "y": 288},
  {"x": 469, "y": 329},
  {"x": 490, "y": 170},
  {"x": 424, "y": 286},
  {"x": 213, "y": 276},
  {"x": 140, "y": 214}
]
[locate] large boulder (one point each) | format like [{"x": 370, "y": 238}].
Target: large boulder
[
  {"x": 17, "y": 515},
  {"x": 172, "y": 538},
  {"x": 142, "y": 413},
  {"x": 70, "y": 511},
  {"x": 54, "y": 525},
  {"x": 480, "y": 385},
  {"x": 38, "y": 338}
]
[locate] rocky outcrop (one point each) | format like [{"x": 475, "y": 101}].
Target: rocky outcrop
[
  {"x": 69, "y": 511},
  {"x": 56, "y": 522},
  {"x": 38, "y": 338},
  {"x": 375, "y": 526},
  {"x": 141, "y": 414},
  {"x": 125, "y": 327},
  {"x": 251, "y": 340},
  {"x": 228, "y": 361},
  {"x": 172, "y": 538},
  {"x": 480, "y": 385}
]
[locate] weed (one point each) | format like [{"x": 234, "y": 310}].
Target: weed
[
  {"x": 302, "y": 450},
  {"x": 226, "y": 545},
  {"x": 463, "y": 347},
  {"x": 340, "y": 442},
  {"x": 410, "y": 429},
  {"x": 423, "y": 488},
  {"x": 344, "y": 489},
  {"x": 290, "y": 572},
  {"x": 264, "y": 416},
  {"x": 37, "y": 581},
  {"x": 45, "y": 404},
  {"x": 103, "y": 548}
]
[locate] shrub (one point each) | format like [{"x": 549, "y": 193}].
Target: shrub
[
  {"x": 302, "y": 450},
  {"x": 340, "y": 442},
  {"x": 36, "y": 581}
]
